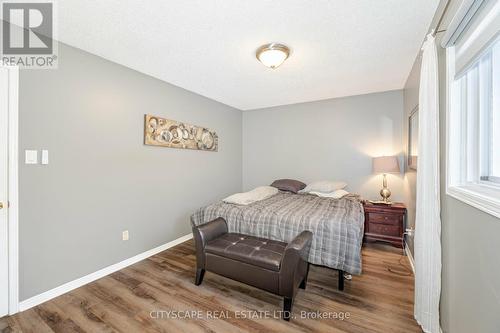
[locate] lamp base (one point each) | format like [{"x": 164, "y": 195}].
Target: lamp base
[
  {"x": 385, "y": 193},
  {"x": 380, "y": 202}
]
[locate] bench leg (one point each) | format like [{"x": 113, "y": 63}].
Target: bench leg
[
  {"x": 304, "y": 282},
  {"x": 287, "y": 308},
  {"x": 200, "y": 272},
  {"x": 341, "y": 280}
]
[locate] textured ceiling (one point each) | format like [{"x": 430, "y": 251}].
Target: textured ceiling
[{"x": 339, "y": 48}]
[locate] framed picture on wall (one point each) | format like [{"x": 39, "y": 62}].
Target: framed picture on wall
[{"x": 413, "y": 139}]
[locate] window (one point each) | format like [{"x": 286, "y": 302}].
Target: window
[
  {"x": 492, "y": 171},
  {"x": 474, "y": 130}
]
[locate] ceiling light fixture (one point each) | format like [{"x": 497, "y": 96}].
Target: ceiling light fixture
[{"x": 272, "y": 55}]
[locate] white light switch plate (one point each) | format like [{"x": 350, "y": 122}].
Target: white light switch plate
[
  {"x": 125, "y": 235},
  {"x": 31, "y": 157},
  {"x": 45, "y": 157}
]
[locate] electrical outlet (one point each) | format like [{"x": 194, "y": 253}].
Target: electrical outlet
[
  {"x": 125, "y": 235},
  {"x": 410, "y": 231}
]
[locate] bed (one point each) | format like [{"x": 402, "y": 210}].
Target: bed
[{"x": 337, "y": 224}]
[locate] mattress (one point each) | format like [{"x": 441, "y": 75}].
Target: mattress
[{"x": 337, "y": 224}]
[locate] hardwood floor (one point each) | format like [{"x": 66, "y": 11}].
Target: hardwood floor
[{"x": 127, "y": 301}]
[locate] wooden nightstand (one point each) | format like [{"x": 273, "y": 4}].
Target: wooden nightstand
[{"x": 385, "y": 223}]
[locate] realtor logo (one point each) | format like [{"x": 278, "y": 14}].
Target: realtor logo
[{"x": 28, "y": 34}]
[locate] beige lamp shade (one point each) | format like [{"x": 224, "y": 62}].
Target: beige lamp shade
[{"x": 386, "y": 164}]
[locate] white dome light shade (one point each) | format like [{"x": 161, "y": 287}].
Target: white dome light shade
[{"x": 272, "y": 55}]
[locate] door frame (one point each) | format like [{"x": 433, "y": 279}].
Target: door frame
[{"x": 13, "y": 187}]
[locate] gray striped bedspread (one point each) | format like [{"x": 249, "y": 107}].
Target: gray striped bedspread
[{"x": 337, "y": 224}]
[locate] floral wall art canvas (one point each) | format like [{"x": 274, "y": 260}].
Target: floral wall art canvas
[{"x": 175, "y": 134}]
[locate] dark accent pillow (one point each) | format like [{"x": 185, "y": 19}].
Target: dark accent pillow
[{"x": 290, "y": 185}]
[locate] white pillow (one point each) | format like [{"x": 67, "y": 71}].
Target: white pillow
[
  {"x": 324, "y": 186},
  {"x": 257, "y": 194},
  {"x": 335, "y": 194}
]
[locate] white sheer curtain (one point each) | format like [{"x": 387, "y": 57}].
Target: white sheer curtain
[{"x": 428, "y": 221}]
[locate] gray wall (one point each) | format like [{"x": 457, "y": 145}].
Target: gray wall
[
  {"x": 470, "y": 295},
  {"x": 101, "y": 179},
  {"x": 410, "y": 97},
  {"x": 331, "y": 139}
]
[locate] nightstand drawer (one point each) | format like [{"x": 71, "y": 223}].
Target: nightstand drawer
[
  {"x": 384, "y": 218},
  {"x": 384, "y": 229}
]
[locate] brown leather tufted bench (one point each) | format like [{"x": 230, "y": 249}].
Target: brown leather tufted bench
[{"x": 274, "y": 266}]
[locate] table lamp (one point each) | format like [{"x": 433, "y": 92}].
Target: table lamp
[{"x": 385, "y": 165}]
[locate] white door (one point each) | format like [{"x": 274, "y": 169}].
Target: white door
[{"x": 4, "y": 161}]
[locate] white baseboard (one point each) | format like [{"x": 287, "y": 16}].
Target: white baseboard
[
  {"x": 410, "y": 258},
  {"x": 50, "y": 294}
]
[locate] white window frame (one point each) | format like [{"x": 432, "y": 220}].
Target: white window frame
[{"x": 482, "y": 195}]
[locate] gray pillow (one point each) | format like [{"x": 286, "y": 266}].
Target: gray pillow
[{"x": 290, "y": 185}]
